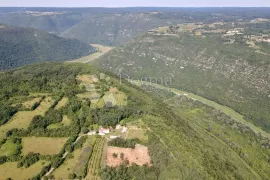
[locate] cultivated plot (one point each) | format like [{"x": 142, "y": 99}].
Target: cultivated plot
[{"x": 42, "y": 145}]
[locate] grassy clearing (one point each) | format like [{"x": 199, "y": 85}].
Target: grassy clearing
[
  {"x": 62, "y": 103},
  {"x": 8, "y": 149},
  {"x": 65, "y": 122},
  {"x": 121, "y": 98},
  {"x": 29, "y": 104},
  {"x": 97, "y": 103},
  {"x": 95, "y": 160},
  {"x": 43, "y": 145},
  {"x": 137, "y": 133},
  {"x": 10, "y": 170},
  {"x": 89, "y": 95},
  {"x": 55, "y": 126},
  {"x": 85, "y": 79},
  {"x": 109, "y": 98},
  {"x": 22, "y": 119}
]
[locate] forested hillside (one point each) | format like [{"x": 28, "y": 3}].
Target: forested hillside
[
  {"x": 186, "y": 139},
  {"x": 230, "y": 74},
  {"x": 21, "y": 46}
]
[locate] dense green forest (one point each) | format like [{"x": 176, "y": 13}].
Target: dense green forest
[{"x": 21, "y": 46}]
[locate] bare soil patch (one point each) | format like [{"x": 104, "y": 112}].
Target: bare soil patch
[{"x": 139, "y": 155}]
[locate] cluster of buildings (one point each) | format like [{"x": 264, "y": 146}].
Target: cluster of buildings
[{"x": 104, "y": 131}]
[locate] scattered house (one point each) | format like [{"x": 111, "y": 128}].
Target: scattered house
[
  {"x": 101, "y": 134},
  {"x": 104, "y": 130},
  {"x": 118, "y": 126},
  {"x": 124, "y": 129},
  {"x": 114, "y": 137}
]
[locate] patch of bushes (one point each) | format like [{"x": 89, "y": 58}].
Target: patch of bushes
[{"x": 124, "y": 143}]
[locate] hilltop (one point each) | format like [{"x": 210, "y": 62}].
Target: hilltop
[
  {"x": 52, "y": 119},
  {"x": 21, "y": 46}
]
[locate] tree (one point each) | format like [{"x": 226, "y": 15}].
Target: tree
[
  {"x": 72, "y": 176},
  {"x": 115, "y": 155},
  {"x": 122, "y": 156}
]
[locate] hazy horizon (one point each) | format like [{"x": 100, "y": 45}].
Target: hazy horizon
[{"x": 138, "y": 3}]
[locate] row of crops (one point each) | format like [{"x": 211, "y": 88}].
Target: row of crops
[{"x": 94, "y": 162}]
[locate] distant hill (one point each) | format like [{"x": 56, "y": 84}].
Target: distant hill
[
  {"x": 114, "y": 26},
  {"x": 116, "y": 29},
  {"x": 21, "y": 46}
]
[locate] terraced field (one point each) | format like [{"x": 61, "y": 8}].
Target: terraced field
[
  {"x": 62, "y": 103},
  {"x": 22, "y": 119},
  {"x": 94, "y": 162},
  {"x": 121, "y": 98}
]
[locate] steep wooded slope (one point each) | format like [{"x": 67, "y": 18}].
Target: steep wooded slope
[
  {"x": 230, "y": 74},
  {"x": 21, "y": 46}
]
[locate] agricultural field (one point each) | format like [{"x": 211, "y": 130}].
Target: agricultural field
[
  {"x": 62, "y": 103},
  {"x": 22, "y": 119},
  {"x": 89, "y": 95},
  {"x": 10, "y": 170},
  {"x": 77, "y": 160},
  {"x": 95, "y": 160},
  {"x": 29, "y": 104},
  {"x": 97, "y": 103},
  {"x": 42, "y": 145}
]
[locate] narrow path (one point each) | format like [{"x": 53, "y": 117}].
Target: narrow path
[{"x": 65, "y": 154}]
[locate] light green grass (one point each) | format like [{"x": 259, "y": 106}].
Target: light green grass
[
  {"x": 55, "y": 126},
  {"x": 10, "y": 170},
  {"x": 8, "y": 149},
  {"x": 65, "y": 122}
]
